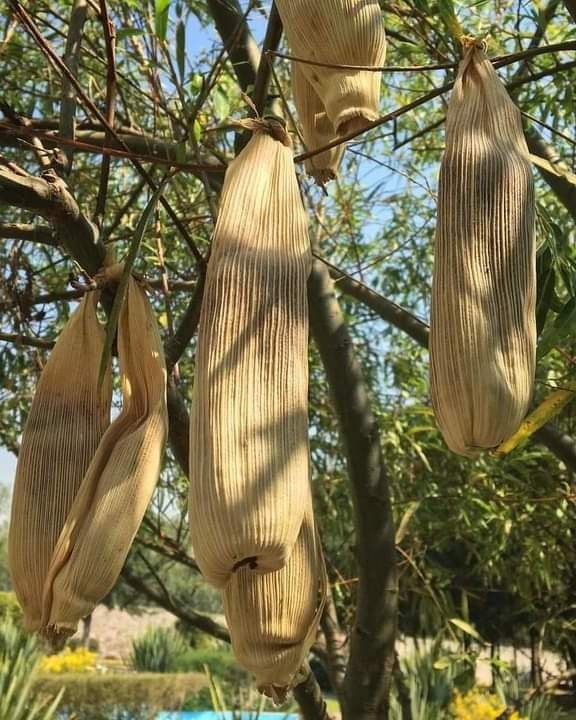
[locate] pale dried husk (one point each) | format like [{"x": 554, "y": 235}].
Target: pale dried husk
[
  {"x": 83, "y": 484},
  {"x": 483, "y": 326},
  {"x": 68, "y": 417},
  {"x": 111, "y": 502},
  {"x": 349, "y": 32},
  {"x": 317, "y": 129},
  {"x": 273, "y": 618},
  {"x": 249, "y": 480}
]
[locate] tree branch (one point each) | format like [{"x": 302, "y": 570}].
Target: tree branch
[
  {"x": 179, "y": 425},
  {"x": 386, "y": 309},
  {"x": 243, "y": 53},
  {"x": 42, "y": 234},
  {"x": 564, "y": 190},
  {"x": 71, "y": 60},
  {"x": 178, "y": 343},
  {"x": 309, "y": 697},
  {"x": 270, "y": 45},
  {"x": 26, "y": 340},
  {"x": 398, "y": 112},
  {"x": 559, "y": 444},
  {"x": 94, "y": 141},
  {"x": 60, "y": 67},
  {"x": 189, "y": 617},
  {"x": 110, "y": 41},
  {"x": 571, "y": 7},
  {"x": 335, "y": 641},
  {"x": 368, "y": 677},
  {"x": 50, "y": 197}
]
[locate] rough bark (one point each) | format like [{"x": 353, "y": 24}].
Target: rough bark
[
  {"x": 50, "y": 197},
  {"x": 336, "y": 644},
  {"x": 309, "y": 698},
  {"x": 243, "y": 51},
  {"x": 368, "y": 677},
  {"x": 564, "y": 190}
]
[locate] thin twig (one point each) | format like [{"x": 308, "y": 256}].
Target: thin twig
[
  {"x": 44, "y": 156},
  {"x": 71, "y": 60},
  {"x": 366, "y": 68},
  {"x": 398, "y": 112},
  {"x": 26, "y": 340},
  {"x": 102, "y": 150},
  {"x": 111, "y": 85},
  {"x": 498, "y": 61},
  {"x": 62, "y": 69},
  {"x": 533, "y": 119},
  {"x": 228, "y": 46}
]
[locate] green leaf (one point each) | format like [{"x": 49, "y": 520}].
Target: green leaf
[
  {"x": 197, "y": 130},
  {"x": 161, "y": 10},
  {"x": 546, "y": 282},
  {"x": 221, "y": 104},
  {"x": 466, "y": 628},
  {"x": 112, "y": 324},
  {"x": 447, "y": 14},
  {"x": 196, "y": 83},
  {"x": 405, "y": 521},
  {"x": 546, "y": 411},
  {"x": 181, "y": 152},
  {"x": 122, "y": 33},
  {"x": 563, "y": 327},
  {"x": 181, "y": 48}
]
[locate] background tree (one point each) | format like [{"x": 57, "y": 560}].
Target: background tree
[{"x": 100, "y": 100}]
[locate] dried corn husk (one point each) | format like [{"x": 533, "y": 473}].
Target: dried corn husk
[
  {"x": 118, "y": 485},
  {"x": 483, "y": 326},
  {"x": 346, "y": 32},
  {"x": 273, "y": 618},
  {"x": 317, "y": 129},
  {"x": 249, "y": 482},
  {"x": 67, "y": 419}
]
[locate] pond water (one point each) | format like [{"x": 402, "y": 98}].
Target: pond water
[{"x": 211, "y": 715}]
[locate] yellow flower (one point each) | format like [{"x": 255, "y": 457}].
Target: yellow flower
[
  {"x": 73, "y": 661},
  {"x": 478, "y": 705}
]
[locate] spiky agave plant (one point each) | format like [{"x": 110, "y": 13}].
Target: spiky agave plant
[
  {"x": 19, "y": 656},
  {"x": 158, "y": 650}
]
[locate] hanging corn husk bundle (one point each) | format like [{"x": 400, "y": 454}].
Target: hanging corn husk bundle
[
  {"x": 316, "y": 128},
  {"x": 345, "y": 32},
  {"x": 249, "y": 481},
  {"x": 483, "y": 326},
  {"x": 273, "y": 618},
  {"x": 67, "y": 419},
  {"x": 110, "y": 501}
]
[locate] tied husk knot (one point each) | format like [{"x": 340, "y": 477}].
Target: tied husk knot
[{"x": 273, "y": 126}]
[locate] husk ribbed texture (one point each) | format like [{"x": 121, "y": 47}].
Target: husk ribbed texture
[
  {"x": 316, "y": 128},
  {"x": 249, "y": 479},
  {"x": 273, "y": 618},
  {"x": 68, "y": 417},
  {"x": 109, "y": 503},
  {"x": 347, "y": 32},
  {"x": 483, "y": 327}
]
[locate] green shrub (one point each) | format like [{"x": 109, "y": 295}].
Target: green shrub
[
  {"x": 159, "y": 650},
  {"x": 220, "y": 662},
  {"x": 118, "y": 696},
  {"x": 19, "y": 699},
  {"x": 9, "y": 608}
]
